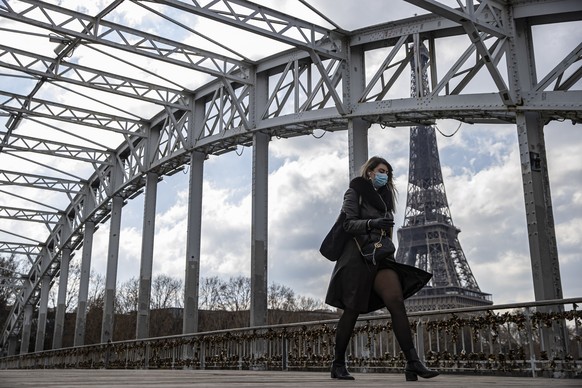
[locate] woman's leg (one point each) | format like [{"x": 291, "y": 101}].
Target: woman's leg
[
  {"x": 345, "y": 327},
  {"x": 343, "y": 333},
  {"x": 387, "y": 286}
]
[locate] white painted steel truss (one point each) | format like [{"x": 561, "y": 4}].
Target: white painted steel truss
[{"x": 173, "y": 98}]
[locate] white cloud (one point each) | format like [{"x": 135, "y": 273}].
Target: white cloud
[
  {"x": 225, "y": 244},
  {"x": 507, "y": 277}
]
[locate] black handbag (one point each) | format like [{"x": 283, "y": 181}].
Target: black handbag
[
  {"x": 333, "y": 243},
  {"x": 376, "y": 247}
]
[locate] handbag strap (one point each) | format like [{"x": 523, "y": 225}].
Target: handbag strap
[{"x": 373, "y": 254}]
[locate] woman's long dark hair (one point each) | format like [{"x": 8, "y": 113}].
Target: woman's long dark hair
[{"x": 370, "y": 165}]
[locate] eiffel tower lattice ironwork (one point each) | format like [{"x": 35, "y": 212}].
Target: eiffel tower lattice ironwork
[{"x": 428, "y": 238}]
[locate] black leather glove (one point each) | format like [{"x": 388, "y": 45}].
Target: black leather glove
[{"x": 380, "y": 223}]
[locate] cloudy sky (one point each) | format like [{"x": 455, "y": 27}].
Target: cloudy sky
[{"x": 308, "y": 175}]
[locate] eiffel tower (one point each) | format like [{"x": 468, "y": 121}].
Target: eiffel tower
[{"x": 429, "y": 239}]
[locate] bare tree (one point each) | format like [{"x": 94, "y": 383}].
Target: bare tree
[
  {"x": 209, "y": 293},
  {"x": 280, "y": 297},
  {"x": 96, "y": 292},
  {"x": 235, "y": 295},
  {"x": 310, "y": 304},
  {"x": 10, "y": 279},
  {"x": 95, "y": 302},
  {"x": 96, "y": 296},
  {"x": 166, "y": 303},
  {"x": 166, "y": 292},
  {"x": 72, "y": 288},
  {"x": 128, "y": 296},
  {"x": 10, "y": 282}
]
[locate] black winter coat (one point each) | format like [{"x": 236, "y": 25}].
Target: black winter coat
[{"x": 352, "y": 279}]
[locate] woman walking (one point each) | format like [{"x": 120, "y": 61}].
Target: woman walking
[{"x": 359, "y": 285}]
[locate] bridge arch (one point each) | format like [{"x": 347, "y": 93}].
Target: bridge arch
[{"x": 330, "y": 80}]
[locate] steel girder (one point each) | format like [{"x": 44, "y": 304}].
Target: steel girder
[{"x": 309, "y": 88}]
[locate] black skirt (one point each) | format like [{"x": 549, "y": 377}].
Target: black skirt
[{"x": 352, "y": 280}]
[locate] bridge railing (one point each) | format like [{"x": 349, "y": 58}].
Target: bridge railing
[{"x": 529, "y": 339}]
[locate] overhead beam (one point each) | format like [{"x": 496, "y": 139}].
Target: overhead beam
[
  {"x": 20, "y": 214},
  {"x": 547, "y": 11},
  {"x": 20, "y": 248},
  {"x": 144, "y": 44},
  {"x": 24, "y": 105},
  {"x": 468, "y": 15},
  {"x": 39, "y": 181},
  {"x": 269, "y": 23},
  {"x": 56, "y": 69},
  {"x": 42, "y": 146},
  {"x": 557, "y": 72}
]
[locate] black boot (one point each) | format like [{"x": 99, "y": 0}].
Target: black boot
[
  {"x": 415, "y": 368},
  {"x": 340, "y": 372}
]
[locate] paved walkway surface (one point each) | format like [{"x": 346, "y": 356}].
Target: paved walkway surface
[{"x": 232, "y": 379}]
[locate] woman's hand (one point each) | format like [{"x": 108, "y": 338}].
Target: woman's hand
[{"x": 380, "y": 223}]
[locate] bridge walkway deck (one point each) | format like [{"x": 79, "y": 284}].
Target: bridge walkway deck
[{"x": 68, "y": 378}]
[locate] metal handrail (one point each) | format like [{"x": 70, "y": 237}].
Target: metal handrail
[{"x": 447, "y": 335}]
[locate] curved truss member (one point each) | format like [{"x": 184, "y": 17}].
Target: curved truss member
[{"x": 209, "y": 99}]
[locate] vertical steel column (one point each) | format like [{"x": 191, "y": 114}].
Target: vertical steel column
[
  {"x": 540, "y": 225},
  {"x": 84, "y": 283},
  {"x": 111, "y": 274},
  {"x": 193, "y": 238},
  {"x": 142, "y": 328},
  {"x": 43, "y": 303},
  {"x": 259, "y": 217},
  {"x": 354, "y": 85},
  {"x": 12, "y": 345},
  {"x": 62, "y": 299},
  {"x": 536, "y": 183},
  {"x": 26, "y": 328},
  {"x": 538, "y": 205},
  {"x": 26, "y": 324},
  {"x": 259, "y": 227},
  {"x": 358, "y": 143}
]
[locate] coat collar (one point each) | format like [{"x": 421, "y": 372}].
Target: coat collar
[{"x": 376, "y": 198}]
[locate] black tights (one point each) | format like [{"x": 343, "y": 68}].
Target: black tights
[{"x": 387, "y": 286}]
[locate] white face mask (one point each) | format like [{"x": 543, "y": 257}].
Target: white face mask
[{"x": 380, "y": 180}]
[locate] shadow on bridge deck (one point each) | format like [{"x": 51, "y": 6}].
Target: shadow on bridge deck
[{"x": 220, "y": 378}]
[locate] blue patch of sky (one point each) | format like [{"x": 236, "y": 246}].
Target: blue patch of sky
[
  {"x": 232, "y": 169},
  {"x": 479, "y": 149},
  {"x": 18, "y": 83},
  {"x": 459, "y": 160},
  {"x": 152, "y": 21},
  {"x": 133, "y": 212},
  {"x": 276, "y": 163}
]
